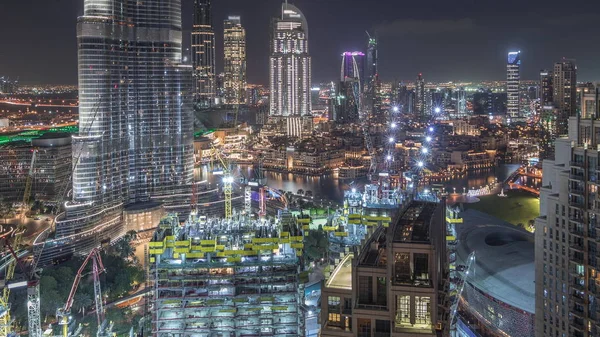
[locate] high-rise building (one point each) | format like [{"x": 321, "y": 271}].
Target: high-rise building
[
  {"x": 420, "y": 97},
  {"x": 564, "y": 93},
  {"x": 290, "y": 64},
  {"x": 371, "y": 76},
  {"x": 135, "y": 141},
  {"x": 234, "y": 43},
  {"x": 395, "y": 283},
  {"x": 371, "y": 65},
  {"x": 567, "y": 269},
  {"x": 203, "y": 54},
  {"x": 546, "y": 93},
  {"x": 230, "y": 278},
  {"x": 353, "y": 66},
  {"x": 513, "y": 80}
]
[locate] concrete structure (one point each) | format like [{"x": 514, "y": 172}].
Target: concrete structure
[
  {"x": 203, "y": 54},
  {"x": 564, "y": 92},
  {"x": 498, "y": 298},
  {"x": 566, "y": 236},
  {"x": 51, "y": 170},
  {"x": 290, "y": 64},
  {"x": 396, "y": 284},
  {"x": 129, "y": 149},
  {"x": 234, "y": 42},
  {"x": 235, "y": 278},
  {"x": 513, "y": 80},
  {"x": 4, "y": 122}
]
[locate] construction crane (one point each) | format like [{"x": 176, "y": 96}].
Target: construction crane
[
  {"x": 64, "y": 314},
  {"x": 5, "y": 317},
  {"x": 227, "y": 183}
]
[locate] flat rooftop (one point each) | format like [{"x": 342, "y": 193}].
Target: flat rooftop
[
  {"x": 504, "y": 258},
  {"x": 413, "y": 224}
]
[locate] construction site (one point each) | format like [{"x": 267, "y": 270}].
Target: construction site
[{"x": 227, "y": 277}]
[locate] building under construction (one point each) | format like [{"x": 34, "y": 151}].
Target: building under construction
[{"x": 227, "y": 278}]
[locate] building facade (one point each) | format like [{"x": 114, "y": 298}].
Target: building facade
[
  {"x": 353, "y": 67},
  {"x": 513, "y": 81},
  {"x": 234, "y": 42},
  {"x": 203, "y": 54},
  {"x": 290, "y": 64},
  {"x": 420, "y": 96},
  {"x": 51, "y": 168},
  {"x": 564, "y": 85},
  {"x": 135, "y": 141},
  {"x": 566, "y": 251},
  {"x": 396, "y": 283}
]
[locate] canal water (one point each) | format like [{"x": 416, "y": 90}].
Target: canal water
[{"x": 329, "y": 188}]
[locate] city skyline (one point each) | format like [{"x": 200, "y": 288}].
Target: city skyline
[{"x": 407, "y": 44}]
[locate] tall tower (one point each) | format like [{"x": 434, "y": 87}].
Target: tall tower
[
  {"x": 420, "y": 97},
  {"x": 353, "y": 66},
  {"x": 290, "y": 64},
  {"x": 135, "y": 141},
  {"x": 513, "y": 78},
  {"x": 546, "y": 93},
  {"x": 234, "y": 41},
  {"x": 565, "y": 93},
  {"x": 371, "y": 75},
  {"x": 203, "y": 54}
]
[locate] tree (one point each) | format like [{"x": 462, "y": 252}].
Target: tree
[{"x": 81, "y": 301}]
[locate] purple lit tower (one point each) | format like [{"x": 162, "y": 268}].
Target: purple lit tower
[{"x": 353, "y": 66}]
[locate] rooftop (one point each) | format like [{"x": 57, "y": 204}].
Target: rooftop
[
  {"x": 341, "y": 277},
  {"x": 413, "y": 225},
  {"x": 504, "y": 259}
]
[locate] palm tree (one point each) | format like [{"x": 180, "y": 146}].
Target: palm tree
[{"x": 82, "y": 301}]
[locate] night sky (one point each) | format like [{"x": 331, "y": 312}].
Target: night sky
[{"x": 445, "y": 40}]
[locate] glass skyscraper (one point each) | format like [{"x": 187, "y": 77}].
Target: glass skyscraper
[
  {"x": 290, "y": 64},
  {"x": 203, "y": 54},
  {"x": 234, "y": 47},
  {"x": 513, "y": 78},
  {"x": 135, "y": 141}
]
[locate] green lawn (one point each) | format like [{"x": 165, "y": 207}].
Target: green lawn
[{"x": 518, "y": 207}]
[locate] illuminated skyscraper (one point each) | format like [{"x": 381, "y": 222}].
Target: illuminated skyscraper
[
  {"x": 203, "y": 54},
  {"x": 564, "y": 92},
  {"x": 371, "y": 80},
  {"x": 135, "y": 141},
  {"x": 234, "y": 42},
  {"x": 420, "y": 97},
  {"x": 290, "y": 64},
  {"x": 513, "y": 78},
  {"x": 353, "y": 66}
]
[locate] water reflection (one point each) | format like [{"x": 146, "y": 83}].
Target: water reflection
[{"x": 328, "y": 187}]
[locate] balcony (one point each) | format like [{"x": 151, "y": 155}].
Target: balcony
[
  {"x": 576, "y": 203},
  {"x": 377, "y": 307},
  {"x": 576, "y": 259},
  {"x": 576, "y": 190},
  {"x": 578, "y": 164},
  {"x": 577, "y": 299},
  {"x": 577, "y": 246},
  {"x": 382, "y": 334},
  {"x": 576, "y": 324},
  {"x": 578, "y": 177},
  {"x": 576, "y": 231},
  {"x": 578, "y": 287}
]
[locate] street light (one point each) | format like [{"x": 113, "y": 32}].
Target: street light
[
  {"x": 388, "y": 157},
  {"x": 428, "y": 138},
  {"x": 420, "y": 164},
  {"x": 424, "y": 150},
  {"x": 391, "y": 140},
  {"x": 393, "y": 125},
  {"x": 395, "y": 109}
]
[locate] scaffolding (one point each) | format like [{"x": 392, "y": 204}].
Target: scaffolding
[{"x": 226, "y": 277}]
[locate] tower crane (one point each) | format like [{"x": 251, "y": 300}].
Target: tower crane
[
  {"x": 227, "y": 183},
  {"x": 64, "y": 314}
]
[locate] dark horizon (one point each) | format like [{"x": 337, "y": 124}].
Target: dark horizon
[{"x": 458, "y": 41}]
